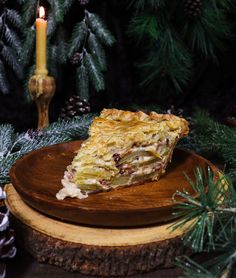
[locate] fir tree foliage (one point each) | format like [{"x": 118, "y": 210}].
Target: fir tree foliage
[
  {"x": 206, "y": 35},
  {"x": 203, "y": 209},
  {"x": 172, "y": 45},
  {"x": 14, "y": 145},
  {"x": 10, "y": 45},
  {"x": 145, "y": 26},
  {"x": 222, "y": 140},
  {"x": 170, "y": 65},
  {"x": 213, "y": 226},
  {"x": 146, "y": 4},
  {"x": 89, "y": 38}
]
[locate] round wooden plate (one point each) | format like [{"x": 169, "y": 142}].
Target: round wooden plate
[{"x": 36, "y": 177}]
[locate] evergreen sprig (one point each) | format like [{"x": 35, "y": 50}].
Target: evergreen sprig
[
  {"x": 14, "y": 145},
  {"x": 168, "y": 63},
  {"x": 207, "y": 35},
  {"x": 213, "y": 227},
  {"x": 88, "y": 38},
  {"x": 172, "y": 45},
  {"x": 222, "y": 140},
  {"x": 145, "y": 26},
  {"x": 10, "y": 45},
  {"x": 143, "y": 4},
  {"x": 204, "y": 210}
]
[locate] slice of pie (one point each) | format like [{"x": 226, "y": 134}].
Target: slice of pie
[{"x": 123, "y": 148}]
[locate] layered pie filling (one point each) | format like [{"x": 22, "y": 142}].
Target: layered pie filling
[{"x": 122, "y": 151}]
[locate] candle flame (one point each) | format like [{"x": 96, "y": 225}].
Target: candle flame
[{"x": 41, "y": 12}]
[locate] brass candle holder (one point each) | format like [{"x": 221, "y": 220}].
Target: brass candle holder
[{"x": 42, "y": 88}]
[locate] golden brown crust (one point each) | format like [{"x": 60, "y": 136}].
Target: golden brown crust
[{"x": 121, "y": 115}]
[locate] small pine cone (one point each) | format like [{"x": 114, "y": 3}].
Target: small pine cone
[
  {"x": 75, "y": 106},
  {"x": 83, "y": 2},
  {"x": 192, "y": 8},
  {"x": 76, "y": 58}
]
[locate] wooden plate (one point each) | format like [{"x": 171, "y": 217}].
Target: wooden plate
[{"x": 36, "y": 177}]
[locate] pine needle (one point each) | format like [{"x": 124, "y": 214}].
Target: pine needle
[
  {"x": 82, "y": 82},
  {"x": 204, "y": 208},
  {"x": 4, "y": 86},
  {"x": 222, "y": 138},
  {"x": 13, "y": 145},
  {"x": 99, "y": 28},
  {"x": 146, "y": 4},
  {"x": 144, "y": 26},
  {"x": 97, "y": 51},
  {"x": 9, "y": 56},
  {"x": 14, "y": 17},
  {"x": 79, "y": 34},
  {"x": 95, "y": 74}
]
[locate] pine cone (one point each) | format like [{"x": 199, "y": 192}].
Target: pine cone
[
  {"x": 75, "y": 106},
  {"x": 76, "y": 58},
  {"x": 192, "y": 8}
]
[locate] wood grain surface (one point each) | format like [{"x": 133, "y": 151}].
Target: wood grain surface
[
  {"x": 105, "y": 252},
  {"x": 37, "y": 176},
  {"x": 86, "y": 235}
]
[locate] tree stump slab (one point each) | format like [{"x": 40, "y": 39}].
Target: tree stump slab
[{"x": 96, "y": 251}]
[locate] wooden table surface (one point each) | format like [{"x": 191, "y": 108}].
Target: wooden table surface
[{"x": 25, "y": 266}]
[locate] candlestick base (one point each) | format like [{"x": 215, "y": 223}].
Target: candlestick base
[{"x": 42, "y": 89}]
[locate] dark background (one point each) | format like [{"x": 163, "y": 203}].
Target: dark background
[{"x": 212, "y": 88}]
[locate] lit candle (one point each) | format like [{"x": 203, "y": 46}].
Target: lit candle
[{"x": 41, "y": 43}]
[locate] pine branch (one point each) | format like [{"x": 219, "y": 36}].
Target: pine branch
[
  {"x": 146, "y": 4},
  {"x": 68, "y": 4},
  {"x": 29, "y": 11},
  {"x": 52, "y": 59},
  {"x": 28, "y": 45},
  {"x": 206, "y": 35},
  {"x": 51, "y": 24},
  {"x": 144, "y": 26},
  {"x": 76, "y": 128},
  {"x": 221, "y": 266},
  {"x": 6, "y": 138},
  {"x": 98, "y": 28},
  {"x": 9, "y": 56},
  {"x": 222, "y": 138},
  {"x": 79, "y": 34},
  {"x": 15, "y": 145},
  {"x": 227, "y": 5},
  {"x": 193, "y": 269},
  {"x": 12, "y": 39},
  {"x": 168, "y": 63},
  {"x": 14, "y": 17},
  {"x": 57, "y": 8},
  {"x": 205, "y": 209},
  {"x": 97, "y": 51},
  {"x": 62, "y": 49},
  {"x": 4, "y": 86},
  {"x": 82, "y": 82},
  {"x": 1, "y": 22},
  {"x": 95, "y": 74}
]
